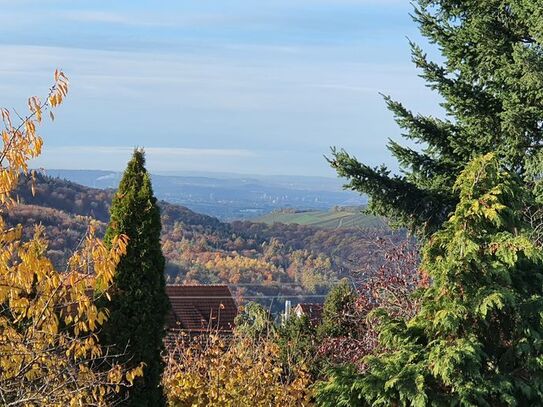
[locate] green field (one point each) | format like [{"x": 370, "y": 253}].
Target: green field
[{"x": 333, "y": 219}]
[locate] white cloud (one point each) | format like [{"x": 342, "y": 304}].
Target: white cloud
[
  {"x": 158, "y": 158},
  {"x": 163, "y": 159},
  {"x": 366, "y": 89},
  {"x": 97, "y": 17},
  {"x": 151, "y": 19},
  {"x": 154, "y": 152},
  {"x": 221, "y": 104}
]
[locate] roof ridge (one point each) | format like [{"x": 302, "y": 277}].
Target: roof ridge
[{"x": 197, "y": 285}]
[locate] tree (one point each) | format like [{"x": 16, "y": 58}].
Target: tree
[
  {"x": 49, "y": 353},
  {"x": 297, "y": 342},
  {"x": 390, "y": 287},
  {"x": 492, "y": 85},
  {"x": 138, "y": 298},
  {"x": 255, "y": 322},
  {"x": 237, "y": 372},
  {"x": 338, "y": 311},
  {"x": 476, "y": 340}
]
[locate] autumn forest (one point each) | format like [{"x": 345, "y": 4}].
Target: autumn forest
[{"x": 113, "y": 297}]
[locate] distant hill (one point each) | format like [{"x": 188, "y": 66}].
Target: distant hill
[
  {"x": 231, "y": 197},
  {"x": 77, "y": 200},
  {"x": 336, "y": 218}
]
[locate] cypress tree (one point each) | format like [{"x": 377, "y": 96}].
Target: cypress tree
[
  {"x": 491, "y": 82},
  {"x": 476, "y": 340},
  {"x": 138, "y": 298}
]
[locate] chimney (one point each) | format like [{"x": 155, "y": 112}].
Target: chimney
[{"x": 288, "y": 306}]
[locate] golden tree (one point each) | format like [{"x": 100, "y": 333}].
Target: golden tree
[
  {"x": 49, "y": 353},
  {"x": 231, "y": 373}
]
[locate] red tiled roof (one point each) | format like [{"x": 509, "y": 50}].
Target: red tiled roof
[
  {"x": 313, "y": 311},
  {"x": 200, "y": 308}
]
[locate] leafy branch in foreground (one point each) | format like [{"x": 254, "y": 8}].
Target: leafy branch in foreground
[
  {"x": 491, "y": 84},
  {"x": 235, "y": 372},
  {"x": 49, "y": 352}
]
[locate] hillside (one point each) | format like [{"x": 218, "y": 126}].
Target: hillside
[
  {"x": 259, "y": 261},
  {"x": 230, "y": 196},
  {"x": 336, "y": 218}
]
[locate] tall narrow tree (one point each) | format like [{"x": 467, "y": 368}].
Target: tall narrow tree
[
  {"x": 491, "y": 82},
  {"x": 138, "y": 300}
]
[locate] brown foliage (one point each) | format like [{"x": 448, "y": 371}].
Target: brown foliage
[{"x": 389, "y": 287}]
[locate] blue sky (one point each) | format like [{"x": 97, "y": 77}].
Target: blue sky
[{"x": 207, "y": 85}]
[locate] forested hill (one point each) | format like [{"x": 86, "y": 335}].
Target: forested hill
[
  {"x": 259, "y": 261},
  {"x": 75, "y": 199}
]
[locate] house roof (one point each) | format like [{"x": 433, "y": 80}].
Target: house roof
[
  {"x": 201, "y": 308},
  {"x": 313, "y": 311}
]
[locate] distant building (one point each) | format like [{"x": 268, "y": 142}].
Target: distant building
[
  {"x": 200, "y": 310},
  {"x": 312, "y": 311},
  {"x": 288, "y": 311}
]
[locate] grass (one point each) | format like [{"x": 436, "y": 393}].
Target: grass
[{"x": 336, "y": 218}]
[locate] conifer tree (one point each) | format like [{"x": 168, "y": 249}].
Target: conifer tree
[
  {"x": 491, "y": 82},
  {"x": 476, "y": 340},
  {"x": 138, "y": 300},
  {"x": 338, "y": 311}
]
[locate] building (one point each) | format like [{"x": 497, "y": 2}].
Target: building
[
  {"x": 200, "y": 309},
  {"x": 312, "y": 311}
]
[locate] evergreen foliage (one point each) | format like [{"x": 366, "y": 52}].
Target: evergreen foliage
[
  {"x": 338, "y": 310},
  {"x": 476, "y": 340},
  {"x": 138, "y": 300},
  {"x": 297, "y": 346},
  {"x": 492, "y": 85}
]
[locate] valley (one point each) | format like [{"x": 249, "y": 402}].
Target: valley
[
  {"x": 264, "y": 262},
  {"x": 231, "y": 196},
  {"x": 335, "y": 218}
]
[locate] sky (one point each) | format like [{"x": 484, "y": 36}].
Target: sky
[{"x": 233, "y": 86}]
